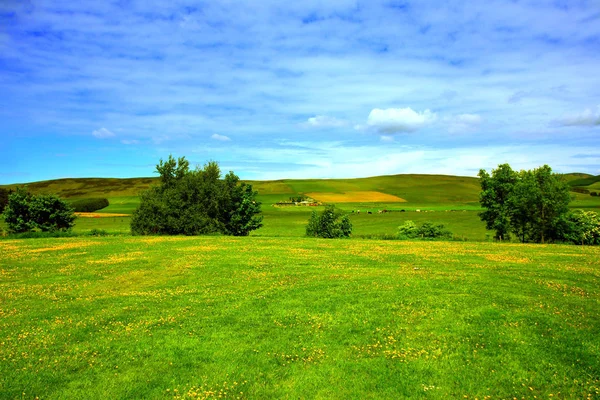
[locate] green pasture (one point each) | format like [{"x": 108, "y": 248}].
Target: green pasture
[{"x": 224, "y": 317}]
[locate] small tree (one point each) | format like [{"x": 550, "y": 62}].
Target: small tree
[{"x": 329, "y": 225}]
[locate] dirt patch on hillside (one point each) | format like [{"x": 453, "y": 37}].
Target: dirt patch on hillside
[{"x": 356, "y": 197}]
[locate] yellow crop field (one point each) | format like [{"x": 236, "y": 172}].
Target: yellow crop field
[{"x": 356, "y": 197}]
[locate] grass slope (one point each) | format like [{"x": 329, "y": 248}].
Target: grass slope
[{"x": 251, "y": 317}]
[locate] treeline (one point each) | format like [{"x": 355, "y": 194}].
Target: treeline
[
  {"x": 533, "y": 205},
  {"x": 89, "y": 204}
]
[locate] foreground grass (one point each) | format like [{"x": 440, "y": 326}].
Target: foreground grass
[{"x": 131, "y": 317}]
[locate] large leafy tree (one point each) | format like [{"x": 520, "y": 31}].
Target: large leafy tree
[
  {"x": 495, "y": 198},
  {"x": 539, "y": 202},
  {"x": 195, "y": 202},
  {"x": 530, "y": 204}
]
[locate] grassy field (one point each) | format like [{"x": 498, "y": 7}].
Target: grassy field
[{"x": 209, "y": 317}]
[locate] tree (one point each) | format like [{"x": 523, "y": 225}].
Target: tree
[
  {"x": 196, "y": 202},
  {"x": 541, "y": 198},
  {"x": 496, "y": 191},
  {"x": 530, "y": 204},
  {"x": 25, "y": 213},
  {"x": 329, "y": 225}
]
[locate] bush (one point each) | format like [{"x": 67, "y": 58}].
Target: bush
[
  {"x": 329, "y": 224},
  {"x": 408, "y": 230},
  {"x": 428, "y": 230},
  {"x": 89, "y": 205},
  {"x": 594, "y": 194},
  {"x": 25, "y": 213},
  {"x": 580, "y": 227}
]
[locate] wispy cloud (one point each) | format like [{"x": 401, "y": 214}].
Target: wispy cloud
[
  {"x": 589, "y": 117},
  {"x": 221, "y": 138},
  {"x": 322, "y": 121},
  {"x": 103, "y": 133},
  {"x": 397, "y": 120}
]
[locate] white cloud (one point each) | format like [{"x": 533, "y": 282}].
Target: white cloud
[
  {"x": 125, "y": 141},
  {"x": 323, "y": 121},
  {"x": 588, "y": 117},
  {"x": 103, "y": 133},
  {"x": 386, "y": 138},
  {"x": 463, "y": 122},
  {"x": 221, "y": 138},
  {"x": 395, "y": 120}
]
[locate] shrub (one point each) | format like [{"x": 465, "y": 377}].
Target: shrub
[
  {"x": 98, "y": 232},
  {"x": 329, "y": 225},
  {"x": 89, "y": 205},
  {"x": 408, "y": 230},
  {"x": 428, "y": 230},
  {"x": 594, "y": 194}
]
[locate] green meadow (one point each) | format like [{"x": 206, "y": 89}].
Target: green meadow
[
  {"x": 187, "y": 317},
  {"x": 278, "y": 315}
]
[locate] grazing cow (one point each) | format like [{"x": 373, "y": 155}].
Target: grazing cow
[{"x": 369, "y": 212}]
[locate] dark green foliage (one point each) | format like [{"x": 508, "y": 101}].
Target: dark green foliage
[
  {"x": 594, "y": 194},
  {"x": 4, "y": 198},
  {"x": 531, "y": 204},
  {"x": 89, "y": 205},
  {"x": 329, "y": 225},
  {"x": 17, "y": 214},
  {"x": 196, "y": 202},
  {"x": 49, "y": 213},
  {"x": 580, "y": 227},
  {"x": 428, "y": 230}
]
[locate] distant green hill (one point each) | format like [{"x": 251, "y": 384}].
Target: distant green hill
[
  {"x": 585, "y": 181},
  {"x": 416, "y": 189},
  {"x": 396, "y": 191},
  {"x": 89, "y": 187}
]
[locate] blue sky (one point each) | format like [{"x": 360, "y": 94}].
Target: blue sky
[{"x": 308, "y": 89}]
